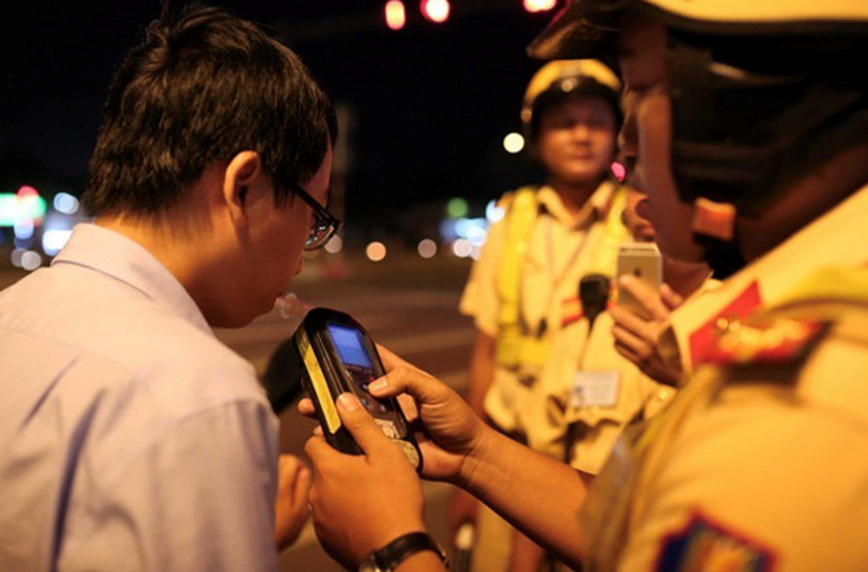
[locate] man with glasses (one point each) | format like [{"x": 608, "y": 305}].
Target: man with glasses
[
  {"x": 131, "y": 438},
  {"x": 325, "y": 225}
]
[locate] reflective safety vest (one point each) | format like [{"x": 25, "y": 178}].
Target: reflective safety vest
[{"x": 516, "y": 344}]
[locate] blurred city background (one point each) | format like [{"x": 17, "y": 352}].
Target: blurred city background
[{"x": 428, "y": 94}]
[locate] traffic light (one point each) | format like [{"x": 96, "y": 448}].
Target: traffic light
[
  {"x": 436, "y": 11},
  {"x": 539, "y": 5},
  {"x": 396, "y": 14}
]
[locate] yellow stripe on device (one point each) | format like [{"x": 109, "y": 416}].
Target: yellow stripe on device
[{"x": 318, "y": 381}]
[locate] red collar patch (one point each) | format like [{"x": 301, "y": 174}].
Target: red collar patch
[
  {"x": 772, "y": 341},
  {"x": 705, "y": 339}
]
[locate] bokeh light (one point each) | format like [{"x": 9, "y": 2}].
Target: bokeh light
[
  {"x": 30, "y": 260},
  {"x": 457, "y": 208},
  {"x": 493, "y": 213},
  {"x": 539, "y": 5},
  {"x": 54, "y": 240},
  {"x": 462, "y": 248},
  {"x": 513, "y": 143},
  {"x": 436, "y": 11},
  {"x": 334, "y": 245},
  {"x": 396, "y": 14},
  {"x": 376, "y": 251},
  {"x": 66, "y": 203},
  {"x": 427, "y": 248}
]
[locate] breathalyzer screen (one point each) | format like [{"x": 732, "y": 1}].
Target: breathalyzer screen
[{"x": 348, "y": 342}]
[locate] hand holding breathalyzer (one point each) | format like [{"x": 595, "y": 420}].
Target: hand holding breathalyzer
[
  {"x": 361, "y": 501},
  {"x": 339, "y": 357},
  {"x": 446, "y": 428}
]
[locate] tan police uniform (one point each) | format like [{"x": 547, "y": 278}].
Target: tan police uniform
[
  {"x": 758, "y": 463},
  {"x": 560, "y": 249},
  {"x": 591, "y": 393},
  {"x": 694, "y": 327}
]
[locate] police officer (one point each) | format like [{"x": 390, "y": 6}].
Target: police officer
[
  {"x": 523, "y": 291},
  {"x": 774, "y": 180},
  {"x": 752, "y": 135}
]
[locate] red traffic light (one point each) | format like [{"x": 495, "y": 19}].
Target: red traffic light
[
  {"x": 539, "y": 5},
  {"x": 396, "y": 14},
  {"x": 436, "y": 11}
]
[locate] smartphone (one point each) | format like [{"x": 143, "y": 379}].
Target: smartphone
[
  {"x": 339, "y": 356},
  {"x": 642, "y": 260}
]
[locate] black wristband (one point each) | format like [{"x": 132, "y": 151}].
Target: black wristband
[{"x": 390, "y": 556}]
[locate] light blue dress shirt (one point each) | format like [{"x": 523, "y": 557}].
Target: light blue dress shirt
[{"x": 130, "y": 437}]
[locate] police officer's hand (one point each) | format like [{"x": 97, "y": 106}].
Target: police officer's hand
[
  {"x": 637, "y": 338},
  {"x": 290, "y": 509},
  {"x": 447, "y": 429},
  {"x": 361, "y": 503}
]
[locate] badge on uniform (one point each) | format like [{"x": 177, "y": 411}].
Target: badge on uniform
[
  {"x": 772, "y": 341},
  {"x": 704, "y": 546},
  {"x": 595, "y": 388},
  {"x": 704, "y": 340}
]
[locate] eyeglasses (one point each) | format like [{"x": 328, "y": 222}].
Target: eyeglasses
[{"x": 325, "y": 225}]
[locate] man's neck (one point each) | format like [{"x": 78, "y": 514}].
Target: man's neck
[
  {"x": 167, "y": 242},
  {"x": 574, "y": 196},
  {"x": 685, "y": 277}
]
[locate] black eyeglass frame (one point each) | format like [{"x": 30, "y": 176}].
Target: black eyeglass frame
[{"x": 323, "y": 219}]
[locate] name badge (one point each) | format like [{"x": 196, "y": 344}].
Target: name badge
[{"x": 595, "y": 388}]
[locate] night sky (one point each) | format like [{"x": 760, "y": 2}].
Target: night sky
[{"x": 430, "y": 103}]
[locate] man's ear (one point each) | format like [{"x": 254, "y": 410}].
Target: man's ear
[{"x": 243, "y": 174}]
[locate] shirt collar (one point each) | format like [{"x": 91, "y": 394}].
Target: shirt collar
[
  {"x": 127, "y": 261},
  {"x": 595, "y": 208}
]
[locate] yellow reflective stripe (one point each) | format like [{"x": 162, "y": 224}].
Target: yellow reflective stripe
[
  {"x": 521, "y": 214},
  {"x": 604, "y": 257},
  {"x": 520, "y": 218},
  {"x": 318, "y": 381}
]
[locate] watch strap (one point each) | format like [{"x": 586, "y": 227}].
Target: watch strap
[{"x": 390, "y": 556}]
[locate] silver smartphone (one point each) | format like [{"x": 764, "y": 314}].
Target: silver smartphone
[{"x": 642, "y": 260}]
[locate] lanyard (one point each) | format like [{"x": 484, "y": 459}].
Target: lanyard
[{"x": 558, "y": 276}]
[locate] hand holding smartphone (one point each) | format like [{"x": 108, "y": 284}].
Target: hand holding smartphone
[{"x": 643, "y": 261}]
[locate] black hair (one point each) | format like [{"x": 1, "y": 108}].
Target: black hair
[{"x": 201, "y": 87}]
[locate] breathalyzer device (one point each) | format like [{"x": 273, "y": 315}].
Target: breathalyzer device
[{"x": 338, "y": 356}]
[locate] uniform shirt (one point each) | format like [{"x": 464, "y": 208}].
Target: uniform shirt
[
  {"x": 561, "y": 249},
  {"x": 758, "y": 464},
  {"x": 596, "y": 391},
  {"x": 835, "y": 238},
  {"x": 130, "y": 437}
]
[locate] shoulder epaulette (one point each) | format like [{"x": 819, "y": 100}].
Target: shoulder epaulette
[{"x": 767, "y": 340}]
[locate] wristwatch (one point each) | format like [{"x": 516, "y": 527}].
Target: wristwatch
[{"x": 387, "y": 558}]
